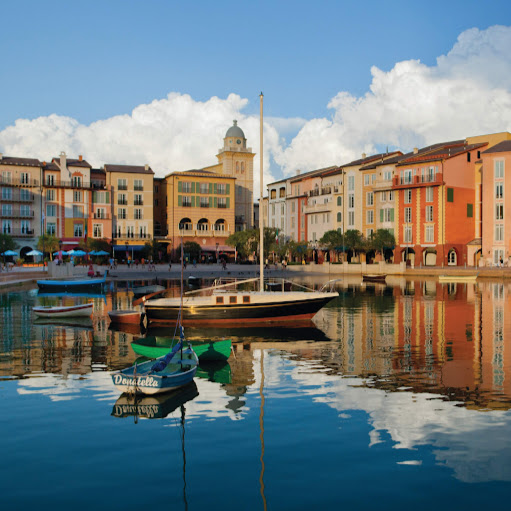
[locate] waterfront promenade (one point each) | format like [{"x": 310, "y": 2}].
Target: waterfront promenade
[{"x": 28, "y": 276}]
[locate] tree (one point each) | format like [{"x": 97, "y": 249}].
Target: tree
[
  {"x": 354, "y": 240},
  {"x": 7, "y": 243},
  {"x": 190, "y": 249},
  {"x": 296, "y": 249},
  {"x": 48, "y": 243},
  {"x": 153, "y": 248},
  {"x": 246, "y": 242},
  {"x": 382, "y": 239}
]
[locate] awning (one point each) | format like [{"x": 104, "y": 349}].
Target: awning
[
  {"x": 213, "y": 248},
  {"x": 129, "y": 248}
]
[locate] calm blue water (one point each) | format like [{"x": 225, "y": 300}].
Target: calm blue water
[{"x": 394, "y": 397}]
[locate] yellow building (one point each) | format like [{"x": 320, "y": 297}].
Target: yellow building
[
  {"x": 200, "y": 208},
  {"x": 132, "y": 191},
  {"x": 236, "y": 160}
]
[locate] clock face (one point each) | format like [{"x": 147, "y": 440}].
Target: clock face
[{"x": 238, "y": 141}]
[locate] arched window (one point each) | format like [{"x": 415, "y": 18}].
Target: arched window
[
  {"x": 451, "y": 257},
  {"x": 237, "y": 166},
  {"x": 242, "y": 167},
  {"x": 185, "y": 224},
  {"x": 202, "y": 224},
  {"x": 339, "y": 217},
  {"x": 339, "y": 201},
  {"x": 220, "y": 225}
]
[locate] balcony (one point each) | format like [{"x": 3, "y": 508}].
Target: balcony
[
  {"x": 318, "y": 208},
  {"x": 101, "y": 216},
  {"x": 139, "y": 203},
  {"x": 122, "y": 187},
  {"x": 131, "y": 236},
  {"x": 19, "y": 233},
  {"x": 16, "y": 214},
  {"x": 9, "y": 181},
  {"x": 122, "y": 202},
  {"x": 200, "y": 233},
  {"x": 17, "y": 196},
  {"x": 408, "y": 182},
  {"x": 138, "y": 188}
]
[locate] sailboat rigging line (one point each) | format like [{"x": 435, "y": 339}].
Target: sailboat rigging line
[
  {"x": 261, "y": 434},
  {"x": 184, "y": 454}
]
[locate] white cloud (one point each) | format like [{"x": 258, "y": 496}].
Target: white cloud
[{"x": 466, "y": 93}]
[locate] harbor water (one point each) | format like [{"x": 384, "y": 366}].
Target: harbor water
[{"x": 394, "y": 396}]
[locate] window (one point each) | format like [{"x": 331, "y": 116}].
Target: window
[
  {"x": 429, "y": 213},
  {"x": 369, "y": 233},
  {"x": 339, "y": 217},
  {"x": 373, "y": 180},
  {"x": 25, "y": 195},
  {"x": 429, "y": 234},
  {"x": 351, "y": 218},
  {"x": 391, "y": 195},
  {"x": 273, "y": 194},
  {"x": 204, "y": 202},
  {"x": 273, "y": 209},
  {"x": 138, "y": 214},
  {"x": 499, "y": 232},
  {"x": 186, "y": 201},
  {"x": 408, "y": 196},
  {"x": 51, "y": 210},
  {"x": 499, "y": 169},
  {"x": 351, "y": 183},
  {"x": 25, "y": 178},
  {"x": 429, "y": 194},
  {"x": 203, "y": 188},
  {"x": 450, "y": 194},
  {"x": 139, "y": 201},
  {"x": 339, "y": 201},
  {"x": 293, "y": 207},
  {"x": 370, "y": 216},
  {"x": 366, "y": 180},
  {"x": 51, "y": 228},
  {"x": 121, "y": 213},
  {"x": 77, "y": 196},
  {"x": 50, "y": 179},
  {"x": 138, "y": 184},
  {"x": 6, "y": 226},
  {"x": 369, "y": 199},
  {"x": 100, "y": 213},
  {"x": 282, "y": 192},
  {"x": 76, "y": 181},
  {"x": 407, "y": 234},
  {"x": 50, "y": 195},
  {"x": 499, "y": 211},
  {"x": 7, "y": 193},
  {"x": 77, "y": 211},
  {"x": 499, "y": 190},
  {"x": 97, "y": 230},
  {"x": 78, "y": 230},
  {"x": 470, "y": 210},
  {"x": 407, "y": 177},
  {"x": 351, "y": 200},
  {"x": 121, "y": 199},
  {"x": 221, "y": 189},
  {"x": 383, "y": 196},
  {"x": 282, "y": 208},
  {"x": 387, "y": 175},
  {"x": 388, "y": 214},
  {"x": 408, "y": 215},
  {"x": 6, "y": 209},
  {"x": 222, "y": 203},
  {"x": 25, "y": 227},
  {"x": 121, "y": 184},
  {"x": 25, "y": 210}
]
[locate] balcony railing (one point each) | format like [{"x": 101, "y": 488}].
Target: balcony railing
[
  {"x": 101, "y": 216},
  {"x": 18, "y": 182},
  {"x": 18, "y": 233},
  {"x": 16, "y": 214},
  {"x": 210, "y": 233},
  {"x": 18, "y": 197},
  {"x": 131, "y": 236},
  {"x": 122, "y": 187},
  {"x": 318, "y": 208},
  {"x": 138, "y": 188},
  {"x": 57, "y": 183},
  {"x": 139, "y": 203},
  {"x": 417, "y": 180},
  {"x": 122, "y": 202}
]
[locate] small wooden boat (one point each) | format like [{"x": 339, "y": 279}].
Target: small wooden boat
[
  {"x": 373, "y": 277},
  {"x": 154, "y": 347},
  {"x": 457, "y": 278},
  {"x": 146, "y": 290},
  {"x": 172, "y": 371},
  {"x": 79, "y": 323},
  {"x": 60, "y": 311},
  {"x": 126, "y": 317},
  {"x": 75, "y": 285}
]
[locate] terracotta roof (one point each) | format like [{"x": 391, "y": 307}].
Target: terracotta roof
[
  {"x": 365, "y": 160},
  {"x": 312, "y": 173},
  {"x": 501, "y": 147},
  {"x": 393, "y": 157},
  {"x": 128, "y": 169},
  {"x": 50, "y": 166},
  {"x": 98, "y": 171},
  {"x": 26, "y": 162},
  {"x": 441, "y": 153},
  {"x": 72, "y": 162},
  {"x": 199, "y": 173}
]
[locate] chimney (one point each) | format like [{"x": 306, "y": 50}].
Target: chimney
[
  {"x": 298, "y": 172},
  {"x": 415, "y": 150},
  {"x": 147, "y": 166},
  {"x": 63, "y": 162},
  {"x": 364, "y": 155},
  {"x": 80, "y": 157},
  {"x": 44, "y": 164}
]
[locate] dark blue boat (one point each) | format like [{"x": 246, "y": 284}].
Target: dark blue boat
[{"x": 72, "y": 286}]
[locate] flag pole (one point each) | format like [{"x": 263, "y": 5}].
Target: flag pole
[{"x": 261, "y": 216}]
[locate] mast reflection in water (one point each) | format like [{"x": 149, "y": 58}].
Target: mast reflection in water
[{"x": 406, "y": 387}]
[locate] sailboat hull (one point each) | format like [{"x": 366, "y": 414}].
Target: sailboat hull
[{"x": 283, "y": 309}]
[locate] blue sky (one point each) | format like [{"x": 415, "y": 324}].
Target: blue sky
[{"x": 98, "y": 61}]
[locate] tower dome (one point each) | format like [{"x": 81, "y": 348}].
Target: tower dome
[{"x": 235, "y": 131}]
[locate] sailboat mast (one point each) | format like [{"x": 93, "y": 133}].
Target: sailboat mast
[{"x": 261, "y": 215}]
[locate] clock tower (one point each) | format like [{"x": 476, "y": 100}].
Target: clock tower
[{"x": 237, "y": 160}]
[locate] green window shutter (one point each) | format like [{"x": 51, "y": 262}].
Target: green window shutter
[
  {"x": 193, "y": 200},
  {"x": 179, "y": 186},
  {"x": 470, "y": 210},
  {"x": 210, "y": 187},
  {"x": 228, "y": 188},
  {"x": 214, "y": 188},
  {"x": 392, "y": 215},
  {"x": 193, "y": 187},
  {"x": 179, "y": 200},
  {"x": 381, "y": 215},
  {"x": 215, "y": 201},
  {"x": 94, "y": 197},
  {"x": 197, "y": 187},
  {"x": 227, "y": 201},
  {"x": 211, "y": 201},
  {"x": 107, "y": 195},
  {"x": 450, "y": 195}
]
